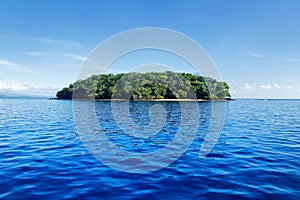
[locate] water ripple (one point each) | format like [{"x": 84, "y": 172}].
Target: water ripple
[{"x": 257, "y": 156}]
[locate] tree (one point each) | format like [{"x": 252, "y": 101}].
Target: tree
[{"x": 151, "y": 85}]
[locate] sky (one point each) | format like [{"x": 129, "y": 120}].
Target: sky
[{"x": 254, "y": 44}]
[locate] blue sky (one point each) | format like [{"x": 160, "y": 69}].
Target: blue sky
[{"x": 255, "y": 44}]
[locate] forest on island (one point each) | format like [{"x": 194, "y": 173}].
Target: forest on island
[{"x": 150, "y": 85}]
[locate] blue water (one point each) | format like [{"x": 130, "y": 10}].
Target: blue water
[{"x": 256, "y": 157}]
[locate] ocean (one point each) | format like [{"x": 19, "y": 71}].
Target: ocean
[{"x": 43, "y": 155}]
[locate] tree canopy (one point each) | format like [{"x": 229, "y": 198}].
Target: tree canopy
[{"x": 150, "y": 85}]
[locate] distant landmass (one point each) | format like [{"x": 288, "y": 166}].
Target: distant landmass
[
  {"x": 146, "y": 86},
  {"x": 21, "y": 96}
]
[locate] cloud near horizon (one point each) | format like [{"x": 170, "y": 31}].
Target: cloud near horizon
[
  {"x": 26, "y": 89},
  {"x": 268, "y": 90}
]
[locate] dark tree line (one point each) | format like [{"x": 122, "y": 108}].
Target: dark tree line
[{"x": 151, "y": 85}]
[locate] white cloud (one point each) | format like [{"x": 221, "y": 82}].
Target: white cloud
[
  {"x": 4, "y": 85},
  {"x": 288, "y": 88},
  {"x": 298, "y": 90},
  {"x": 267, "y": 90},
  {"x": 277, "y": 86},
  {"x": 247, "y": 87},
  {"x": 77, "y": 57},
  {"x": 292, "y": 60},
  {"x": 19, "y": 88},
  {"x": 292, "y": 90},
  {"x": 7, "y": 63},
  {"x": 233, "y": 91},
  {"x": 72, "y": 65},
  {"x": 13, "y": 87},
  {"x": 256, "y": 55},
  {"x": 35, "y": 53},
  {"x": 13, "y": 35},
  {"x": 13, "y": 66},
  {"x": 59, "y": 42},
  {"x": 54, "y": 54},
  {"x": 266, "y": 87}
]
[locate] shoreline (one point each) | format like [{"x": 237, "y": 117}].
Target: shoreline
[{"x": 160, "y": 100}]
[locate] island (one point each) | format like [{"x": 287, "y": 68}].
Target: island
[{"x": 146, "y": 86}]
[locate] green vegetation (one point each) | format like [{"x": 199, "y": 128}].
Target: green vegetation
[{"x": 151, "y": 85}]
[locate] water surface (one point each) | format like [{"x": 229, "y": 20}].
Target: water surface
[{"x": 256, "y": 157}]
